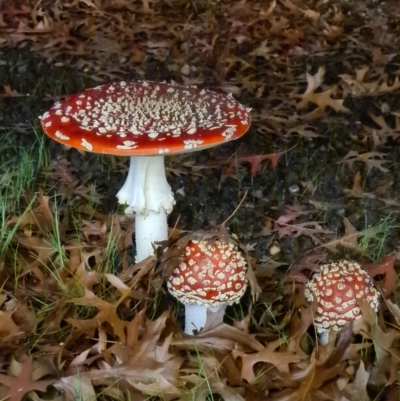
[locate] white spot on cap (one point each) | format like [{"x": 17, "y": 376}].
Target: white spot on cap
[
  {"x": 127, "y": 145},
  {"x": 86, "y": 144},
  {"x": 191, "y": 144},
  {"x": 61, "y": 136}
]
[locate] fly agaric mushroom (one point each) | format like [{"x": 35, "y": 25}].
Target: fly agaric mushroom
[
  {"x": 211, "y": 275},
  {"x": 337, "y": 289},
  {"x": 146, "y": 120}
]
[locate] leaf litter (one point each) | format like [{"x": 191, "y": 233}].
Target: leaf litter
[{"x": 80, "y": 320}]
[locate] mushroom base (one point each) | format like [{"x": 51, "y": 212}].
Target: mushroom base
[
  {"x": 324, "y": 337},
  {"x": 149, "y": 228},
  {"x": 196, "y": 316}
]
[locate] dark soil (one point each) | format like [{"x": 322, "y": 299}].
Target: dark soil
[{"x": 207, "y": 196}]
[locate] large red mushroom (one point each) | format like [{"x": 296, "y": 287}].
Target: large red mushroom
[
  {"x": 146, "y": 120},
  {"x": 337, "y": 288},
  {"x": 211, "y": 275}
]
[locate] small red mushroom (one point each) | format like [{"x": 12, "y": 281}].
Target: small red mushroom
[
  {"x": 211, "y": 275},
  {"x": 337, "y": 288},
  {"x": 146, "y": 120}
]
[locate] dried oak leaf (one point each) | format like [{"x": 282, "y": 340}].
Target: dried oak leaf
[
  {"x": 321, "y": 99},
  {"x": 357, "y": 389},
  {"x": 36, "y": 220},
  {"x": 22, "y": 315},
  {"x": 322, "y": 366},
  {"x": 279, "y": 359},
  {"x": 310, "y": 379},
  {"x": 300, "y": 320},
  {"x": 385, "y": 129},
  {"x": 356, "y": 85},
  {"x": 385, "y": 340},
  {"x": 370, "y": 159},
  {"x": 148, "y": 367},
  {"x": 220, "y": 338},
  {"x": 42, "y": 248},
  {"x": 384, "y": 87},
  {"x": 348, "y": 240},
  {"x": 10, "y": 331},
  {"x": 229, "y": 165},
  {"x": 285, "y": 225},
  {"x": 95, "y": 232},
  {"x": 76, "y": 388},
  {"x": 8, "y": 92},
  {"x": 256, "y": 160},
  {"x": 210, "y": 380},
  {"x": 107, "y": 313},
  {"x": 387, "y": 269},
  {"x": 394, "y": 309},
  {"x": 218, "y": 386},
  {"x": 21, "y": 380},
  {"x": 296, "y": 275},
  {"x": 305, "y": 130}
]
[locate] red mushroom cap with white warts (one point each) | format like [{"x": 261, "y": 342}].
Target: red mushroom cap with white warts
[
  {"x": 337, "y": 288},
  {"x": 145, "y": 118},
  {"x": 211, "y": 274}
]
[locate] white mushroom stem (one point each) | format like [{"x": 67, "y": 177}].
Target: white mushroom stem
[
  {"x": 148, "y": 195},
  {"x": 196, "y": 316},
  {"x": 149, "y": 228},
  {"x": 324, "y": 337}
]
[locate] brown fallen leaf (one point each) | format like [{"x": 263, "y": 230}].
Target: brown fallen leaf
[
  {"x": 222, "y": 337},
  {"x": 8, "y": 92},
  {"x": 321, "y": 99},
  {"x": 370, "y": 159},
  {"x": 348, "y": 240},
  {"x": 107, "y": 313},
  {"x": 356, "y": 188},
  {"x": 385, "y": 341},
  {"x": 311, "y": 378},
  {"x": 387, "y": 269},
  {"x": 286, "y": 225},
  {"x": 357, "y": 389},
  {"x": 76, "y": 388},
  {"x": 20, "y": 382},
  {"x": 9, "y": 331},
  {"x": 278, "y": 359},
  {"x": 395, "y": 310},
  {"x": 149, "y": 367}
]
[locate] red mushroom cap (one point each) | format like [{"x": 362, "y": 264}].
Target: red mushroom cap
[
  {"x": 211, "y": 274},
  {"x": 145, "y": 118},
  {"x": 337, "y": 288}
]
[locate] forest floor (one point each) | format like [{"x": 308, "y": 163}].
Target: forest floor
[{"x": 316, "y": 179}]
